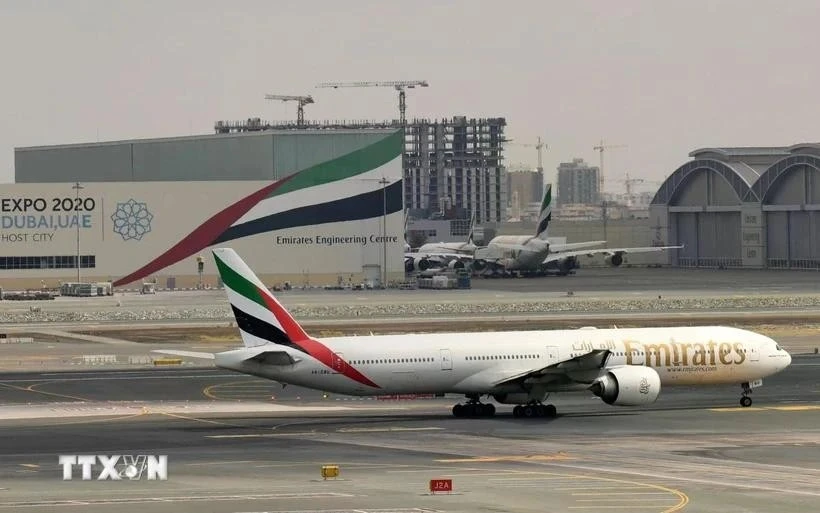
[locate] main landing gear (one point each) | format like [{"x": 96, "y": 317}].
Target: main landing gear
[
  {"x": 535, "y": 410},
  {"x": 746, "y": 401},
  {"x": 473, "y": 408}
]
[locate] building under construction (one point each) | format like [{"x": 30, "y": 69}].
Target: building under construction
[{"x": 452, "y": 167}]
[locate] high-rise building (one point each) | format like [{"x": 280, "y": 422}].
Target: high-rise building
[
  {"x": 524, "y": 186},
  {"x": 577, "y": 183},
  {"x": 454, "y": 167}
]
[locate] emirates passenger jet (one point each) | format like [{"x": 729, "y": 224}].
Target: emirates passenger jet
[{"x": 624, "y": 367}]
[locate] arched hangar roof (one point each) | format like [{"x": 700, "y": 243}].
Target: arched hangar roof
[
  {"x": 738, "y": 175},
  {"x": 750, "y": 171}
]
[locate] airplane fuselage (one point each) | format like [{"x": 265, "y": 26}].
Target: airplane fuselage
[
  {"x": 474, "y": 363},
  {"x": 514, "y": 259}
]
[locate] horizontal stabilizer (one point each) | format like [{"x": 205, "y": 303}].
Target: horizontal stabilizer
[
  {"x": 273, "y": 358},
  {"x": 190, "y": 354}
]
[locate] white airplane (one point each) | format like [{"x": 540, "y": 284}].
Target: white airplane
[
  {"x": 453, "y": 255},
  {"x": 535, "y": 254},
  {"x": 624, "y": 367}
]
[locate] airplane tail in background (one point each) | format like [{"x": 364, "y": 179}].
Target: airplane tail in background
[
  {"x": 260, "y": 317},
  {"x": 545, "y": 215}
]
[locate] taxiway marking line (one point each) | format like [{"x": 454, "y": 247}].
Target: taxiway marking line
[
  {"x": 222, "y": 462},
  {"x": 30, "y": 388},
  {"x": 262, "y": 435},
  {"x": 683, "y": 499},
  {"x": 610, "y": 494},
  {"x": 386, "y": 429},
  {"x": 195, "y": 419},
  {"x": 796, "y": 407},
  {"x": 625, "y": 506},
  {"x": 515, "y": 458}
]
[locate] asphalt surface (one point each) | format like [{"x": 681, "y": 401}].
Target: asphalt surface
[
  {"x": 691, "y": 451},
  {"x": 668, "y": 281},
  {"x": 797, "y": 383},
  {"x": 237, "y": 444}
]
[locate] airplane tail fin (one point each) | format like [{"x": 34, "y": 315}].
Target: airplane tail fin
[
  {"x": 545, "y": 215},
  {"x": 260, "y": 317}
]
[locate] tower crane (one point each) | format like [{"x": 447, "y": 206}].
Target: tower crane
[
  {"x": 538, "y": 146},
  {"x": 302, "y": 100},
  {"x": 629, "y": 182},
  {"x": 600, "y": 149},
  {"x": 398, "y": 85}
]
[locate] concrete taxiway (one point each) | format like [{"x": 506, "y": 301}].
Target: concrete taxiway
[{"x": 236, "y": 452}]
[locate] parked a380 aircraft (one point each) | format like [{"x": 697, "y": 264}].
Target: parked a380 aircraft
[
  {"x": 624, "y": 367},
  {"x": 525, "y": 254}
]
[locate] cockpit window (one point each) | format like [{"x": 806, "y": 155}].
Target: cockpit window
[{"x": 779, "y": 348}]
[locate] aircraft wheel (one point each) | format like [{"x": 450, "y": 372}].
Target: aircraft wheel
[
  {"x": 530, "y": 412},
  {"x": 745, "y": 401},
  {"x": 550, "y": 411},
  {"x": 517, "y": 412},
  {"x": 489, "y": 410},
  {"x": 458, "y": 410}
]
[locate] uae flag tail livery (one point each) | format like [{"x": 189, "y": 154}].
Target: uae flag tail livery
[{"x": 263, "y": 320}]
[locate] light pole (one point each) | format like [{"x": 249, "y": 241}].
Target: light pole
[
  {"x": 384, "y": 183},
  {"x": 77, "y": 187}
]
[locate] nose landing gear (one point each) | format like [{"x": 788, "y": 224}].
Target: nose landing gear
[{"x": 746, "y": 401}]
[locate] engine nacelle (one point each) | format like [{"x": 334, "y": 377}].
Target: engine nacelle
[
  {"x": 630, "y": 385},
  {"x": 455, "y": 264},
  {"x": 614, "y": 260},
  {"x": 417, "y": 264},
  {"x": 567, "y": 264},
  {"x": 479, "y": 264}
]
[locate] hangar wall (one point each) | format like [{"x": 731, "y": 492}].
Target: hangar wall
[
  {"x": 744, "y": 207},
  {"x": 319, "y": 225},
  {"x": 265, "y": 155}
]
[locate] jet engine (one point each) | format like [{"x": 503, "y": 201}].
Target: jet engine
[
  {"x": 628, "y": 386},
  {"x": 455, "y": 264},
  {"x": 565, "y": 265},
  {"x": 615, "y": 260},
  {"x": 416, "y": 264},
  {"x": 479, "y": 265}
]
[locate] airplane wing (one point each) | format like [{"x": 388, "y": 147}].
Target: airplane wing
[
  {"x": 438, "y": 255},
  {"x": 607, "y": 251},
  {"x": 555, "y": 248},
  {"x": 595, "y": 359}
]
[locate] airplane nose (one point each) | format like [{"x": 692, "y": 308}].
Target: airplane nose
[{"x": 788, "y": 359}]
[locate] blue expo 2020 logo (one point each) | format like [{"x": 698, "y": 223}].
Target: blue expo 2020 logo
[{"x": 132, "y": 220}]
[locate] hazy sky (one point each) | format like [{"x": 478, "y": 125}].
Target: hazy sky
[{"x": 661, "y": 77}]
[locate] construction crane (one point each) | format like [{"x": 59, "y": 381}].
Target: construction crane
[
  {"x": 538, "y": 146},
  {"x": 600, "y": 149},
  {"x": 398, "y": 85},
  {"x": 303, "y": 100},
  {"x": 629, "y": 182}
]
